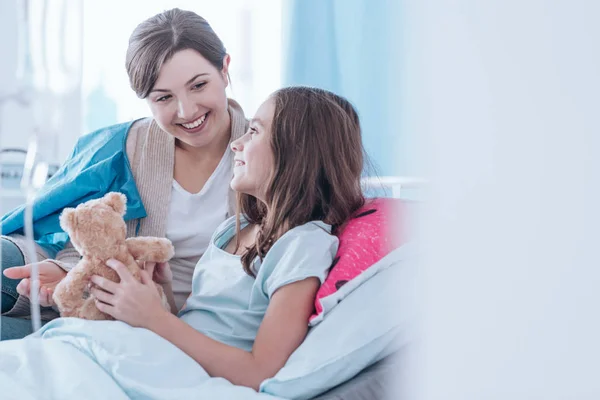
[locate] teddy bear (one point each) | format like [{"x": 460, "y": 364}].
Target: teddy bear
[{"x": 97, "y": 230}]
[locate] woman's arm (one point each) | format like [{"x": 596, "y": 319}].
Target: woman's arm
[
  {"x": 67, "y": 258},
  {"x": 283, "y": 329}
]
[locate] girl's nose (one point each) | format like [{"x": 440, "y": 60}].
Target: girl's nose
[{"x": 236, "y": 145}]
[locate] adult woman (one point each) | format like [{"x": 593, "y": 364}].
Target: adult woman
[{"x": 174, "y": 167}]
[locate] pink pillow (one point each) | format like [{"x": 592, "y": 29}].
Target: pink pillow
[{"x": 368, "y": 237}]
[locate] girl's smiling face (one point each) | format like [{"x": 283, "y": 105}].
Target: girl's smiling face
[{"x": 254, "y": 161}]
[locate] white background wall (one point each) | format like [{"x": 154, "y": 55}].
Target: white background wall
[
  {"x": 63, "y": 112},
  {"x": 16, "y": 121},
  {"x": 504, "y": 98}
]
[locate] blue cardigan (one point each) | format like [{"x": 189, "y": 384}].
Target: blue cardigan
[{"x": 97, "y": 165}]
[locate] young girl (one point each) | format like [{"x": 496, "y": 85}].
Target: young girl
[
  {"x": 297, "y": 173},
  {"x": 175, "y": 167}
]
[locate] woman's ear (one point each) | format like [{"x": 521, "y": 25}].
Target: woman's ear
[{"x": 225, "y": 69}]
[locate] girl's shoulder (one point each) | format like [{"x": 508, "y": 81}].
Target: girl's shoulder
[
  {"x": 228, "y": 224},
  {"x": 304, "y": 251},
  {"x": 227, "y": 228},
  {"x": 310, "y": 231},
  {"x": 308, "y": 235},
  {"x": 311, "y": 228}
]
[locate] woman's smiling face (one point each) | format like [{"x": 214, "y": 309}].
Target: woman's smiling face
[{"x": 189, "y": 100}]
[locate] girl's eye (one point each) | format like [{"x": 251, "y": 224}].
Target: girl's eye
[
  {"x": 163, "y": 98},
  {"x": 253, "y": 131},
  {"x": 198, "y": 85}
]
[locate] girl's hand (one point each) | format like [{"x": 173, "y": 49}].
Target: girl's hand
[
  {"x": 161, "y": 273},
  {"x": 136, "y": 303}
]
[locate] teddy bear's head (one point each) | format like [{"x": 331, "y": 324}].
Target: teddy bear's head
[{"x": 96, "y": 227}]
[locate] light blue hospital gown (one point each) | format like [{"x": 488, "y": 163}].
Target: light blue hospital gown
[
  {"x": 126, "y": 362},
  {"x": 228, "y": 305}
]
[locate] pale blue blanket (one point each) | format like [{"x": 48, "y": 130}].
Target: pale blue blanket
[{"x": 77, "y": 359}]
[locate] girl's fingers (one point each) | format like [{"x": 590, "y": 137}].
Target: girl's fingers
[
  {"x": 105, "y": 308},
  {"x": 106, "y": 284},
  {"x": 103, "y": 296},
  {"x": 121, "y": 270},
  {"x": 146, "y": 278}
]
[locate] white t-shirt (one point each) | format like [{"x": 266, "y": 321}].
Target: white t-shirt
[{"x": 192, "y": 220}]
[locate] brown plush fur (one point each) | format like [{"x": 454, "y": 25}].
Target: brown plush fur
[{"x": 97, "y": 230}]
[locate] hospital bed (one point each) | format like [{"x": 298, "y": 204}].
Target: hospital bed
[{"x": 355, "y": 353}]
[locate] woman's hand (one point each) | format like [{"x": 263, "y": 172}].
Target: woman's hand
[
  {"x": 136, "y": 303},
  {"x": 161, "y": 273},
  {"x": 49, "y": 275}
]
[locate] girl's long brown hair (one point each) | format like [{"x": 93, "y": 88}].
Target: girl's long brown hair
[{"x": 318, "y": 161}]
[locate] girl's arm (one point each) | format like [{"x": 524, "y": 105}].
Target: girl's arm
[{"x": 283, "y": 329}]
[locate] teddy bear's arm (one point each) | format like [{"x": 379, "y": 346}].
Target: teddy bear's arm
[{"x": 150, "y": 248}]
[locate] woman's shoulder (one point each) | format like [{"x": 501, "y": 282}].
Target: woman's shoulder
[
  {"x": 108, "y": 137},
  {"x": 140, "y": 125},
  {"x": 102, "y": 142},
  {"x": 120, "y": 129},
  {"x": 136, "y": 130}
]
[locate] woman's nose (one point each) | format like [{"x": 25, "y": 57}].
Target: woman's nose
[{"x": 186, "y": 109}]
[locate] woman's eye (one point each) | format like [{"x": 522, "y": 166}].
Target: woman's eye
[
  {"x": 163, "y": 98},
  {"x": 253, "y": 131},
  {"x": 198, "y": 85}
]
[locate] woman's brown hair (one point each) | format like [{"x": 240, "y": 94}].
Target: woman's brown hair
[
  {"x": 157, "y": 39},
  {"x": 318, "y": 161}
]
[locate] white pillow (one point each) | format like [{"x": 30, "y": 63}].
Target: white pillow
[{"x": 373, "y": 321}]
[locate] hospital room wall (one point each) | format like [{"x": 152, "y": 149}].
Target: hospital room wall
[
  {"x": 63, "y": 111},
  {"x": 504, "y": 98},
  {"x": 16, "y": 119},
  {"x": 354, "y": 48}
]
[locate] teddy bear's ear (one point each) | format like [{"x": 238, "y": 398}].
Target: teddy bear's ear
[
  {"x": 68, "y": 219},
  {"x": 117, "y": 201}
]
